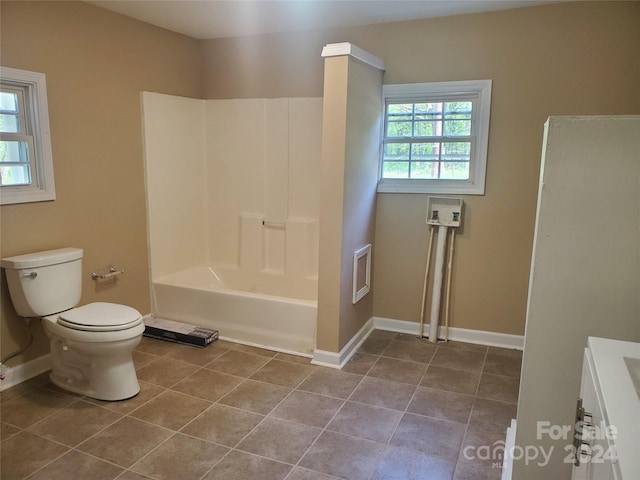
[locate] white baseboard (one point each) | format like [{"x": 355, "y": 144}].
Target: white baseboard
[
  {"x": 480, "y": 337},
  {"x": 509, "y": 444},
  {"x": 340, "y": 359},
  {"x": 25, "y": 371}
]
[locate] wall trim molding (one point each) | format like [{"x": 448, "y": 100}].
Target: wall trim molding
[
  {"x": 346, "y": 48},
  {"x": 480, "y": 337},
  {"x": 340, "y": 359},
  {"x": 24, "y": 371}
]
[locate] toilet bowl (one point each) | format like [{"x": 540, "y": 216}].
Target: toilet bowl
[
  {"x": 91, "y": 350},
  {"x": 91, "y": 345}
]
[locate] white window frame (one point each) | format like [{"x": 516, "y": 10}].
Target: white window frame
[
  {"x": 479, "y": 91},
  {"x": 35, "y": 111}
]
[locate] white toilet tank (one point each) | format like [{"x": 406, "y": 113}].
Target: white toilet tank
[{"x": 44, "y": 283}]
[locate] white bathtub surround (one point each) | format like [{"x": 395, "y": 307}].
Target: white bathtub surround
[{"x": 232, "y": 191}]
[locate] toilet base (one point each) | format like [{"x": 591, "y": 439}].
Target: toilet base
[
  {"x": 84, "y": 388},
  {"x": 95, "y": 364}
]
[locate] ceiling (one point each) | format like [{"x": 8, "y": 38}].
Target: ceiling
[{"x": 207, "y": 19}]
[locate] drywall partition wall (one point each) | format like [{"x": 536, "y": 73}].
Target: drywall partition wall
[
  {"x": 97, "y": 63},
  {"x": 350, "y": 142},
  {"x": 585, "y": 275},
  {"x": 263, "y": 162},
  {"x": 175, "y": 175}
]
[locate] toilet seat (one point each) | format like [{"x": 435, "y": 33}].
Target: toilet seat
[{"x": 100, "y": 317}]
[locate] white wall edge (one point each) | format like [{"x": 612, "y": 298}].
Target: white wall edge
[
  {"x": 340, "y": 359},
  {"x": 480, "y": 337},
  {"x": 25, "y": 371},
  {"x": 346, "y": 48}
]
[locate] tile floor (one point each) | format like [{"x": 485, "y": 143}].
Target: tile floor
[{"x": 401, "y": 409}]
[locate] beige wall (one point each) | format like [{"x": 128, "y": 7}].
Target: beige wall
[
  {"x": 572, "y": 58},
  {"x": 96, "y": 63}
]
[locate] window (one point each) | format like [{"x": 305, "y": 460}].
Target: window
[
  {"x": 26, "y": 165},
  {"x": 435, "y": 137}
]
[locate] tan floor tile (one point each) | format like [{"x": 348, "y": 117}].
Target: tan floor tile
[
  {"x": 7, "y": 431},
  {"x": 331, "y": 382},
  {"x": 257, "y": 397},
  {"x": 125, "y": 442},
  {"x": 79, "y": 465},
  {"x": 401, "y": 371},
  {"x": 238, "y": 363},
  {"x": 147, "y": 392},
  {"x": 498, "y": 387},
  {"x": 409, "y": 347},
  {"x": 75, "y": 424},
  {"x": 383, "y": 393},
  {"x": 491, "y": 415},
  {"x": 25, "y": 453},
  {"x": 129, "y": 475},
  {"x": 471, "y": 470},
  {"x": 451, "y": 406},
  {"x": 155, "y": 346},
  {"x": 34, "y": 405},
  {"x": 280, "y": 440},
  {"x": 443, "y": 378},
  {"x": 459, "y": 359},
  {"x": 293, "y": 358},
  {"x": 308, "y": 408},
  {"x": 502, "y": 361},
  {"x": 285, "y": 374},
  {"x": 343, "y": 456},
  {"x": 165, "y": 372},
  {"x": 223, "y": 425},
  {"x": 299, "y": 473},
  {"x": 171, "y": 409},
  {"x": 254, "y": 350},
  {"x": 140, "y": 359},
  {"x": 433, "y": 437},
  {"x": 195, "y": 355},
  {"x": 240, "y": 465},
  {"x": 180, "y": 458},
  {"x": 376, "y": 342},
  {"x": 366, "y": 421},
  {"x": 360, "y": 363},
  {"x": 463, "y": 346},
  {"x": 207, "y": 384},
  {"x": 402, "y": 464}
]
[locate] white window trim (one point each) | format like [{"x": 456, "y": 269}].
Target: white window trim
[
  {"x": 412, "y": 92},
  {"x": 43, "y": 186}
]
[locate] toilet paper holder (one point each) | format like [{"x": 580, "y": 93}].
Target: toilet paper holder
[{"x": 110, "y": 273}]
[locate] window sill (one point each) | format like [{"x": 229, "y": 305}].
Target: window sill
[{"x": 421, "y": 186}]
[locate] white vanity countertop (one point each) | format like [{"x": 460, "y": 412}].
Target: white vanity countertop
[{"x": 620, "y": 399}]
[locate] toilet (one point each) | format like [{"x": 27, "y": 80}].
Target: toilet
[{"x": 91, "y": 345}]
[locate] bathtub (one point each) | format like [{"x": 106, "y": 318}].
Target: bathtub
[{"x": 257, "y": 308}]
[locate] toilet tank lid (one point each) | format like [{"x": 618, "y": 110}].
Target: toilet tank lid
[{"x": 40, "y": 259}]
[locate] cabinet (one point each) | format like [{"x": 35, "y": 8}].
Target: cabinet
[
  {"x": 607, "y": 429},
  {"x": 593, "y": 455}
]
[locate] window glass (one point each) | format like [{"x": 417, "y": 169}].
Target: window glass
[{"x": 435, "y": 137}]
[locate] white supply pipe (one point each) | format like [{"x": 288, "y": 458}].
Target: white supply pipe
[
  {"x": 437, "y": 284},
  {"x": 426, "y": 281},
  {"x": 447, "y": 304}
]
